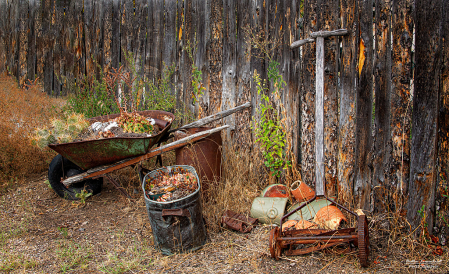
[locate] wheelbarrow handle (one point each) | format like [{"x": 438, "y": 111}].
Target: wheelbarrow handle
[
  {"x": 212, "y": 118},
  {"x": 101, "y": 170}
]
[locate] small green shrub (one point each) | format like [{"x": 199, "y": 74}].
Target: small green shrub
[
  {"x": 269, "y": 132},
  {"x": 90, "y": 96},
  {"x": 83, "y": 195}
]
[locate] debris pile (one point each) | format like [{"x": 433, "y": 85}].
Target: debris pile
[{"x": 165, "y": 187}]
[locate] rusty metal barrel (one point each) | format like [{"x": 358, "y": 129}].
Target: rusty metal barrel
[
  {"x": 178, "y": 225},
  {"x": 204, "y": 155}
]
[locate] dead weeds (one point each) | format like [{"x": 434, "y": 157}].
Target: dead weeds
[{"x": 21, "y": 110}]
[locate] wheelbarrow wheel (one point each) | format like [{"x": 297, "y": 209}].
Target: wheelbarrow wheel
[{"x": 61, "y": 168}]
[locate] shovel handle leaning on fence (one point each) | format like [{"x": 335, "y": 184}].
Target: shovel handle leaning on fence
[
  {"x": 213, "y": 117},
  {"x": 319, "y": 101}
]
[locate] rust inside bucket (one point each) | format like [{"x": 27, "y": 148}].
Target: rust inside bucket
[{"x": 204, "y": 155}]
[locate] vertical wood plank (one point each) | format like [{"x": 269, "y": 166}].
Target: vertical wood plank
[
  {"x": 214, "y": 55},
  {"x": 242, "y": 134},
  {"x": 349, "y": 73},
  {"x": 364, "y": 97},
  {"x": 139, "y": 35},
  {"x": 179, "y": 85},
  {"x": 107, "y": 34},
  {"x": 39, "y": 41},
  {"x": 428, "y": 16},
  {"x": 291, "y": 62},
  {"x": 202, "y": 27},
  {"x": 229, "y": 63},
  {"x": 97, "y": 36},
  {"x": 319, "y": 117},
  {"x": 58, "y": 62},
  {"x": 126, "y": 30},
  {"x": 3, "y": 40},
  {"x": 188, "y": 35},
  {"x": 258, "y": 25},
  {"x": 23, "y": 41},
  {"x": 71, "y": 41},
  {"x": 14, "y": 38},
  {"x": 157, "y": 38},
  {"x": 170, "y": 31},
  {"x": 382, "y": 78},
  {"x": 328, "y": 20},
  {"x": 48, "y": 39},
  {"x": 116, "y": 34},
  {"x": 443, "y": 136},
  {"x": 401, "y": 98},
  {"x": 31, "y": 28},
  {"x": 308, "y": 95}
]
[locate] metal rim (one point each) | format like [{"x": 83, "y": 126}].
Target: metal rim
[{"x": 363, "y": 240}]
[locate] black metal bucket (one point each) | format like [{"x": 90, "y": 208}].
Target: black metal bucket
[{"x": 177, "y": 225}]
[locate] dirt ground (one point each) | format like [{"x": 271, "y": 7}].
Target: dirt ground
[{"x": 42, "y": 233}]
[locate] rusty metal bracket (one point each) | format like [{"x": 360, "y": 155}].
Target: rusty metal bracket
[
  {"x": 238, "y": 221},
  {"x": 176, "y": 212}
]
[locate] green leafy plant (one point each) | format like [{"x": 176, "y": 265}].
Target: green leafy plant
[
  {"x": 269, "y": 132},
  {"x": 64, "y": 231},
  {"x": 90, "y": 96},
  {"x": 270, "y": 128},
  {"x": 83, "y": 195}
]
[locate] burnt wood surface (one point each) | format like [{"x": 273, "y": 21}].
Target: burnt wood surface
[
  {"x": 423, "y": 172},
  {"x": 349, "y": 74},
  {"x": 364, "y": 97},
  {"x": 382, "y": 81},
  {"x": 442, "y": 205},
  {"x": 308, "y": 96},
  {"x": 400, "y": 102}
]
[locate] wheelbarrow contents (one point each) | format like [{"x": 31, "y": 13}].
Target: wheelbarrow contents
[
  {"x": 98, "y": 130},
  {"x": 165, "y": 187}
]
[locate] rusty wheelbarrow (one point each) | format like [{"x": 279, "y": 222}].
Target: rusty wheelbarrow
[{"x": 81, "y": 165}]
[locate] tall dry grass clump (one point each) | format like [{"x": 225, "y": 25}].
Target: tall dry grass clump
[
  {"x": 243, "y": 179},
  {"x": 21, "y": 111}
]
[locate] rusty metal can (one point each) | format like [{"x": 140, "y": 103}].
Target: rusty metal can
[{"x": 178, "y": 225}]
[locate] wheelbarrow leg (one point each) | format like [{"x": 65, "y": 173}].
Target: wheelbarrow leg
[{"x": 118, "y": 186}]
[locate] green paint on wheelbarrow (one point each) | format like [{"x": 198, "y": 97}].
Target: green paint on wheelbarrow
[{"x": 93, "y": 153}]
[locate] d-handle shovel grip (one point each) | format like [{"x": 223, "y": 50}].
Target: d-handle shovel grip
[{"x": 175, "y": 212}]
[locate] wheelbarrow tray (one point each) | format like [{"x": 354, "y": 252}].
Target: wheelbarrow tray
[{"x": 93, "y": 153}]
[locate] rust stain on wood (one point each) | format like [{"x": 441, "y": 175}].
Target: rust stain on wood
[{"x": 361, "y": 56}]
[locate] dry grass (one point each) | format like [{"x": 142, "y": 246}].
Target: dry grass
[
  {"x": 242, "y": 180},
  {"x": 21, "y": 110}
]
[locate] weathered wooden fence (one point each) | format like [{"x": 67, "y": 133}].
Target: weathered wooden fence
[{"x": 386, "y": 84}]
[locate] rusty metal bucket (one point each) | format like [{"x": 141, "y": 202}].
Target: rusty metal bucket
[
  {"x": 178, "y": 225},
  {"x": 204, "y": 155}
]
